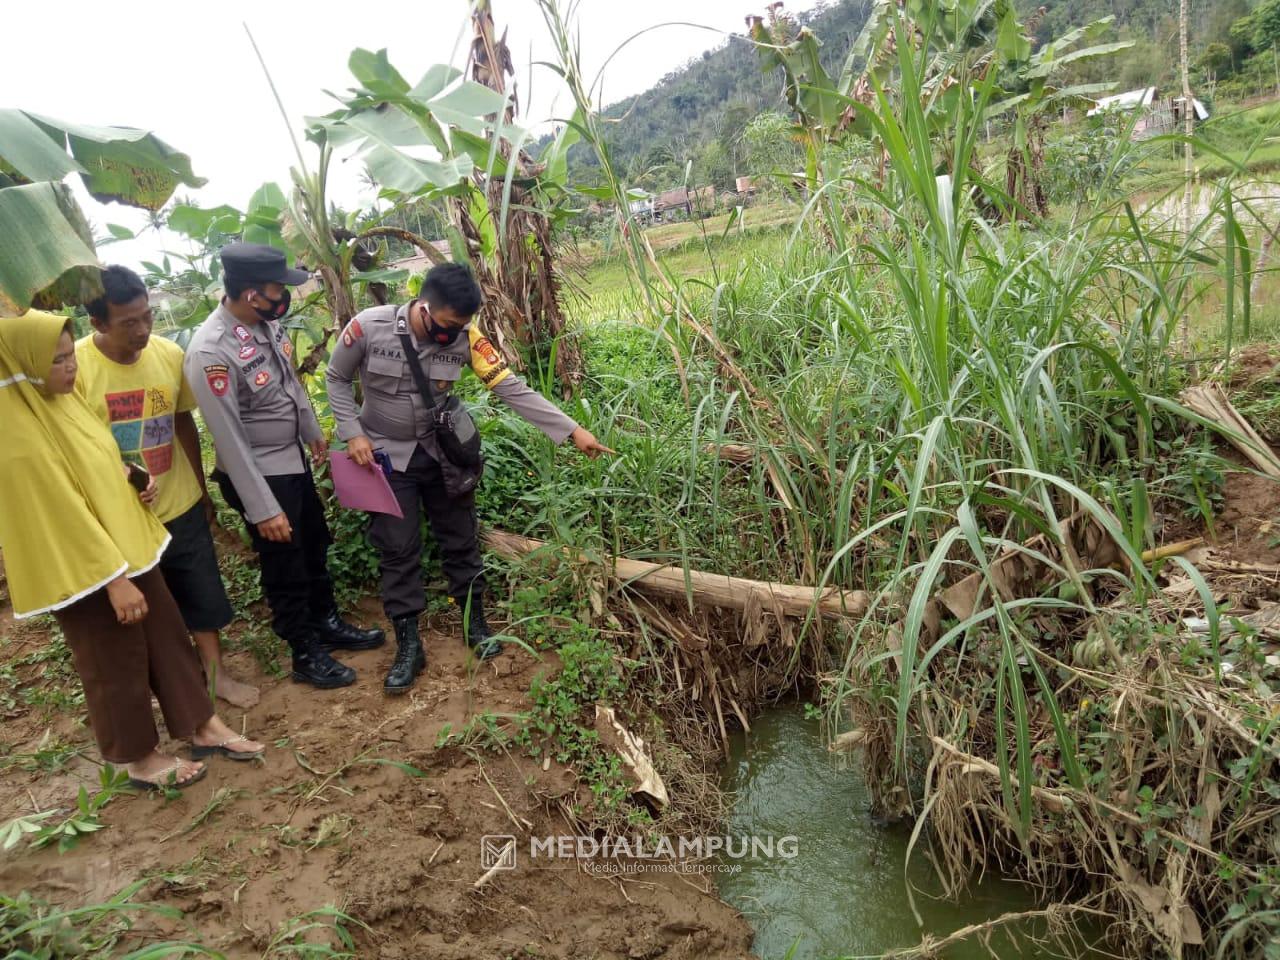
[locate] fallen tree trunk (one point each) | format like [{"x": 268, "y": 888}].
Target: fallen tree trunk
[{"x": 714, "y": 589}]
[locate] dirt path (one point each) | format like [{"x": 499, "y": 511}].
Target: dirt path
[{"x": 322, "y": 822}]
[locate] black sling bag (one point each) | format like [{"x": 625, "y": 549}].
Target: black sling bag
[{"x": 461, "y": 462}]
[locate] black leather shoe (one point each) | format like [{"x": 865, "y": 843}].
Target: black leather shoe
[
  {"x": 313, "y": 665},
  {"x": 334, "y": 633},
  {"x": 476, "y": 629},
  {"x": 410, "y": 659}
]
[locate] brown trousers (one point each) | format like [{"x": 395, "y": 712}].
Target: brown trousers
[{"x": 121, "y": 666}]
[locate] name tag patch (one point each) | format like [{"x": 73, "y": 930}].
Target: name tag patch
[{"x": 387, "y": 353}]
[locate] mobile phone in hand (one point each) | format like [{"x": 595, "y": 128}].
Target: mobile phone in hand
[{"x": 138, "y": 477}]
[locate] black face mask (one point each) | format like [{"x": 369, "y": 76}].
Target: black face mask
[
  {"x": 440, "y": 334},
  {"x": 277, "y": 309}
]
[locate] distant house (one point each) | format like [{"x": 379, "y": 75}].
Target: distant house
[
  {"x": 683, "y": 201},
  {"x": 1156, "y": 115},
  {"x": 419, "y": 263},
  {"x": 642, "y": 208}
]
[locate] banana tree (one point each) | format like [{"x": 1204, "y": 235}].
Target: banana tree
[
  {"x": 1029, "y": 89},
  {"x": 47, "y": 256},
  {"x": 450, "y": 138},
  {"x": 961, "y": 43},
  {"x": 521, "y": 272},
  {"x": 824, "y": 104},
  {"x": 301, "y": 224},
  {"x": 193, "y": 279}
]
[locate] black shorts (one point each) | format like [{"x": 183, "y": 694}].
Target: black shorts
[{"x": 190, "y": 569}]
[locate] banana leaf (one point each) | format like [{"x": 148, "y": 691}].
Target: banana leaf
[{"x": 46, "y": 250}]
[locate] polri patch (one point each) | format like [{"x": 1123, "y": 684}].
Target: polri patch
[
  {"x": 263, "y": 378},
  {"x": 483, "y": 347},
  {"x": 217, "y": 376}
]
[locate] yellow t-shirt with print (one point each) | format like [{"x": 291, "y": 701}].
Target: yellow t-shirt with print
[{"x": 138, "y": 402}]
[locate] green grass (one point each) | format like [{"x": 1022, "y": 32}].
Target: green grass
[{"x": 606, "y": 282}]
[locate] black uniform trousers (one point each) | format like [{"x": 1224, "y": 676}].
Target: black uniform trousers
[
  {"x": 295, "y": 575},
  {"x": 453, "y": 523}
]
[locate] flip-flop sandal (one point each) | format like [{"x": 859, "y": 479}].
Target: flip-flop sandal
[
  {"x": 162, "y": 781},
  {"x": 220, "y": 749}
]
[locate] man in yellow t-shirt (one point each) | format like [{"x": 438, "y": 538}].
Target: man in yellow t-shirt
[{"x": 134, "y": 383}]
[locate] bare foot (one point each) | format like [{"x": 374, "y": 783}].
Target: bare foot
[
  {"x": 216, "y": 733},
  {"x": 237, "y": 694},
  {"x": 156, "y": 768}
]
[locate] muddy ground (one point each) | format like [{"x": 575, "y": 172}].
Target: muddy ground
[{"x": 320, "y": 822}]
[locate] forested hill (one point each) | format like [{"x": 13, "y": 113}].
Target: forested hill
[
  {"x": 699, "y": 112},
  {"x": 713, "y": 96}
]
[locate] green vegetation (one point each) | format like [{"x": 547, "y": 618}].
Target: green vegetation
[
  {"x": 718, "y": 117},
  {"x": 928, "y": 382},
  {"x": 925, "y": 375},
  {"x": 33, "y": 930}
]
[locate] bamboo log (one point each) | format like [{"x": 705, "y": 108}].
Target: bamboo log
[
  {"x": 714, "y": 589},
  {"x": 1175, "y": 549}
]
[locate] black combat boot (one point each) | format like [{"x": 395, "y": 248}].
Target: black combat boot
[
  {"x": 475, "y": 628},
  {"x": 312, "y": 664},
  {"x": 334, "y": 633},
  {"x": 410, "y": 659}
]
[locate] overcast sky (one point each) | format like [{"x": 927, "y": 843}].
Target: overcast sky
[{"x": 188, "y": 73}]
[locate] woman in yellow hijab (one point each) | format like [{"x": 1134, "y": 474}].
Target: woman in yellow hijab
[{"x": 78, "y": 543}]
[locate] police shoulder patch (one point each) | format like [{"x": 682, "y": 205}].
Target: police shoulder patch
[
  {"x": 217, "y": 376},
  {"x": 486, "y": 361}
]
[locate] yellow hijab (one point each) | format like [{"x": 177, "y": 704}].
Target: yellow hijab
[{"x": 70, "y": 523}]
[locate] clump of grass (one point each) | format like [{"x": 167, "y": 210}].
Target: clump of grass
[{"x": 31, "y": 928}]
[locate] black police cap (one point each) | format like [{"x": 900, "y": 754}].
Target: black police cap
[{"x": 259, "y": 263}]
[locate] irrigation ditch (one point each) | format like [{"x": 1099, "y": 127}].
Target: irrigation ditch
[{"x": 1165, "y": 692}]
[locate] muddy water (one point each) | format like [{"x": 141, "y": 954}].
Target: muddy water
[{"x": 844, "y": 892}]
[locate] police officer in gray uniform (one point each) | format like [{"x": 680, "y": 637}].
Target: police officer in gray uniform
[
  {"x": 395, "y": 418},
  {"x": 239, "y": 365}
]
